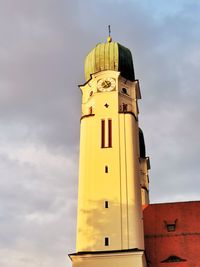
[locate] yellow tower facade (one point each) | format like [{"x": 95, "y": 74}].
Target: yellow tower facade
[{"x": 113, "y": 168}]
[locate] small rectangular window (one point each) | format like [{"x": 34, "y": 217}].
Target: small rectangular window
[
  {"x": 106, "y": 241},
  {"x": 106, "y": 204},
  {"x": 171, "y": 227},
  {"x": 106, "y": 169}
]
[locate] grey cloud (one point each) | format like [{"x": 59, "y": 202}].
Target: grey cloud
[{"x": 42, "y": 49}]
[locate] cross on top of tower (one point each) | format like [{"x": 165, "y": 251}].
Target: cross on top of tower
[
  {"x": 109, "y": 39},
  {"x": 109, "y": 30}
]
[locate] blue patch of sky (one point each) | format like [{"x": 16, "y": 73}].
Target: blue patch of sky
[{"x": 160, "y": 9}]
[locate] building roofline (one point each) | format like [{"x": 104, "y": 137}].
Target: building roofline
[{"x": 173, "y": 203}]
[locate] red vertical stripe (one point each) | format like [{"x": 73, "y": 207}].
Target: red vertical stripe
[
  {"x": 109, "y": 133},
  {"x": 103, "y": 133}
]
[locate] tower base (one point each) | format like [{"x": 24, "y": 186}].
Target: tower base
[{"x": 128, "y": 258}]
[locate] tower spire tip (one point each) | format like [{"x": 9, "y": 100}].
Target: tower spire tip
[{"x": 109, "y": 39}]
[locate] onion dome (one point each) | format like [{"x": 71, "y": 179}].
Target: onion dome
[{"x": 110, "y": 56}]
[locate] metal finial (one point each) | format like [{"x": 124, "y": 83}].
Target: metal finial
[
  {"x": 109, "y": 37},
  {"x": 109, "y": 30}
]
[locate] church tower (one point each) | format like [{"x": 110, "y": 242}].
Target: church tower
[{"x": 113, "y": 167}]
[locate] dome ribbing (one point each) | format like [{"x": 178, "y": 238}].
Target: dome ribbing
[{"x": 110, "y": 56}]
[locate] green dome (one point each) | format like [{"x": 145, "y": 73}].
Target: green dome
[{"x": 110, "y": 56}]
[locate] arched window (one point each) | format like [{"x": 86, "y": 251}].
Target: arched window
[
  {"x": 124, "y": 91},
  {"x": 106, "y": 204},
  {"x": 106, "y": 241}
]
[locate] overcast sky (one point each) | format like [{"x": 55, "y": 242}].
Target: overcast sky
[{"x": 43, "y": 44}]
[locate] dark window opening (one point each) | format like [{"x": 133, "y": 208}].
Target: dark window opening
[
  {"x": 106, "y": 204},
  {"x": 124, "y": 91},
  {"x": 171, "y": 227},
  {"x": 125, "y": 107},
  {"x": 91, "y": 93},
  {"x": 106, "y": 241},
  {"x": 106, "y": 169}
]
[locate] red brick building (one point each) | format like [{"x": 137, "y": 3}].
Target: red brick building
[{"x": 172, "y": 234}]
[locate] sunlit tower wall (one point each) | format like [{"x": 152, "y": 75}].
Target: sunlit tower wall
[{"x": 113, "y": 167}]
